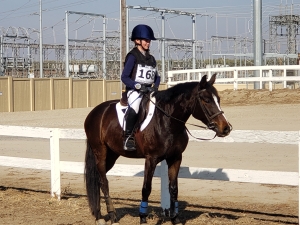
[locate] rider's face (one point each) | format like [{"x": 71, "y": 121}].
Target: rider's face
[{"x": 144, "y": 43}]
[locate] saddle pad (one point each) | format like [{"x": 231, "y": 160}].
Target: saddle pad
[{"x": 122, "y": 109}]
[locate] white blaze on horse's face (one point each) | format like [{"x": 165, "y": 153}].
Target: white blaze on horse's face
[{"x": 216, "y": 101}]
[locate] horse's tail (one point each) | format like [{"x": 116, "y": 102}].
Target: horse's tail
[{"x": 92, "y": 180}]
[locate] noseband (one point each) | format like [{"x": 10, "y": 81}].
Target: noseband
[{"x": 210, "y": 124}]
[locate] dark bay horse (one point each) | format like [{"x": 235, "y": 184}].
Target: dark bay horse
[{"x": 165, "y": 138}]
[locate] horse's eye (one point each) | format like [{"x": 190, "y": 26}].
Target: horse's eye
[{"x": 206, "y": 100}]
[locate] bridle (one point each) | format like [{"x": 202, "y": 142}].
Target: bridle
[{"x": 210, "y": 125}]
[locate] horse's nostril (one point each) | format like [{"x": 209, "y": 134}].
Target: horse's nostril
[{"x": 227, "y": 130}]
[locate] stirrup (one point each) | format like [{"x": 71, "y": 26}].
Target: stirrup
[{"x": 129, "y": 144}]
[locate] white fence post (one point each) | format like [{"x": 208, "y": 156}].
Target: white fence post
[
  {"x": 55, "y": 163},
  {"x": 270, "y": 82},
  {"x": 164, "y": 195},
  {"x": 260, "y": 76},
  {"x": 284, "y": 75},
  {"x": 235, "y": 83},
  {"x": 208, "y": 74}
]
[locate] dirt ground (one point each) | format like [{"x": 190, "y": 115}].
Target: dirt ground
[{"x": 25, "y": 195}]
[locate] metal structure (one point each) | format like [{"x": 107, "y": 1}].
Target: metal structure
[
  {"x": 257, "y": 37},
  {"x": 15, "y": 51},
  {"x": 41, "y": 42},
  {"x": 98, "y": 55},
  {"x": 180, "y": 54},
  {"x": 162, "y": 38},
  {"x": 96, "y": 41},
  {"x": 291, "y": 24}
]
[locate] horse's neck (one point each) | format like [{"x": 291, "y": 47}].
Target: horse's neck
[{"x": 178, "y": 111}]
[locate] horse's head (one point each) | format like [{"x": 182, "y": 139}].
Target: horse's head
[{"x": 207, "y": 107}]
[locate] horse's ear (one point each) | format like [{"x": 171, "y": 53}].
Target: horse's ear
[
  {"x": 212, "y": 79},
  {"x": 203, "y": 82}
]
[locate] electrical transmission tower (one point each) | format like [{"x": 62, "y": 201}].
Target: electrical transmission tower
[
  {"x": 15, "y": 51},
  {"x": 291, "y": 23}
]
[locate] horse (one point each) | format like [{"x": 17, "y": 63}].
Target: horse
[{"x": 164, "y": 138}]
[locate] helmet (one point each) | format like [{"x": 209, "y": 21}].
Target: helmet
[{"x": 142, "y": 31}]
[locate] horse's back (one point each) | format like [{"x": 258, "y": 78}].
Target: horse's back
[{"x": 94, "y": 118}]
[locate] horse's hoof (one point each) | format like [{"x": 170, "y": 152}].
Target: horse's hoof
[
  {"x": 176, "y": 221},
  {"x": 100, "y": 222},
  {"x": 179, "y": 223}
]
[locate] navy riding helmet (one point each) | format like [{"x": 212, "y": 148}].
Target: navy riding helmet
[{"x": 142, "y": 31}]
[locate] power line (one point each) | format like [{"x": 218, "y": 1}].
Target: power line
[
  {"x": 25, "y": 13},
  {"x": 12, "y": 11}
]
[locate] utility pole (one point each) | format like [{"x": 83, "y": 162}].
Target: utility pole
[
  {"x": 123, "y": 36},
  {"x": 1, "y": 56},
  {"x": 257, "y": 36},
  {"x": 122, "y": 33},
  {"x": 67, "y": 45},
  {"x": 41, "y": 42},
  {"x": 163, "y": 47}
]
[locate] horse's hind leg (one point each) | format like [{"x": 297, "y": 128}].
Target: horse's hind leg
[
  {"x": 92, "y": 181},
  {"x": 104, "y": 167},
  {"x": 174, "y": 166},
  {"x": 95, "y": 177}
]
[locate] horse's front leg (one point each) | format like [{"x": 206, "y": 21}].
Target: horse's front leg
[
  {"x": 174, "y": 166},
  {"x": 150, "y": 165}
]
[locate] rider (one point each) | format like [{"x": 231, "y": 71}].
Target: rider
[{"x": 140, "y": 76}]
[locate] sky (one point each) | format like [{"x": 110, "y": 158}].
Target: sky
[{"x": 228, "y": 18}]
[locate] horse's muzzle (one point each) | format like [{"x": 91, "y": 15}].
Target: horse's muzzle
[{"x": 221, "y": 131}]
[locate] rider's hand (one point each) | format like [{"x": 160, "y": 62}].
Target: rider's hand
[
  {"x": 153, "y": 89},
  {"x": 144, "y": 89}
]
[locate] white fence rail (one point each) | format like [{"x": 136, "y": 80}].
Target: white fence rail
[
  {"x": 236, "y": 75},
  {"x": 243, "y": 136}
]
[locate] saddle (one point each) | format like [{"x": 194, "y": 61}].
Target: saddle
[
  {"x": 145, "y": 113},
  {"x": 124, "y": 99}
]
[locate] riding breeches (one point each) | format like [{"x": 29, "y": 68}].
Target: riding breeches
[{"x": 134, "y": 100}]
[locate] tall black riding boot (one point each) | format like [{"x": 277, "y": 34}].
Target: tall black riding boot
[{"x": 130, "y": 117}]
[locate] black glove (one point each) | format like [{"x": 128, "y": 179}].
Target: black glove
[
  {"x": 144, "y": 89},
  {"x": 153, "y": 89}
]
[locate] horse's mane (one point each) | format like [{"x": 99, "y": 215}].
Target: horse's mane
[
  {"x": 175, "y": 91},
  {"x": 179, "y": 89}
]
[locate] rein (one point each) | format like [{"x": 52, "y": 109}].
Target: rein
[{"x": 205, "y": 112}]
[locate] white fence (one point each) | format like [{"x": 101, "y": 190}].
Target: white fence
[
  {"x": 242, "y": 136},
  {"x": 236, "y": 75}
]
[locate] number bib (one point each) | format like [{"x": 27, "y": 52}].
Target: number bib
[{"x": 145, "y": 74}]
